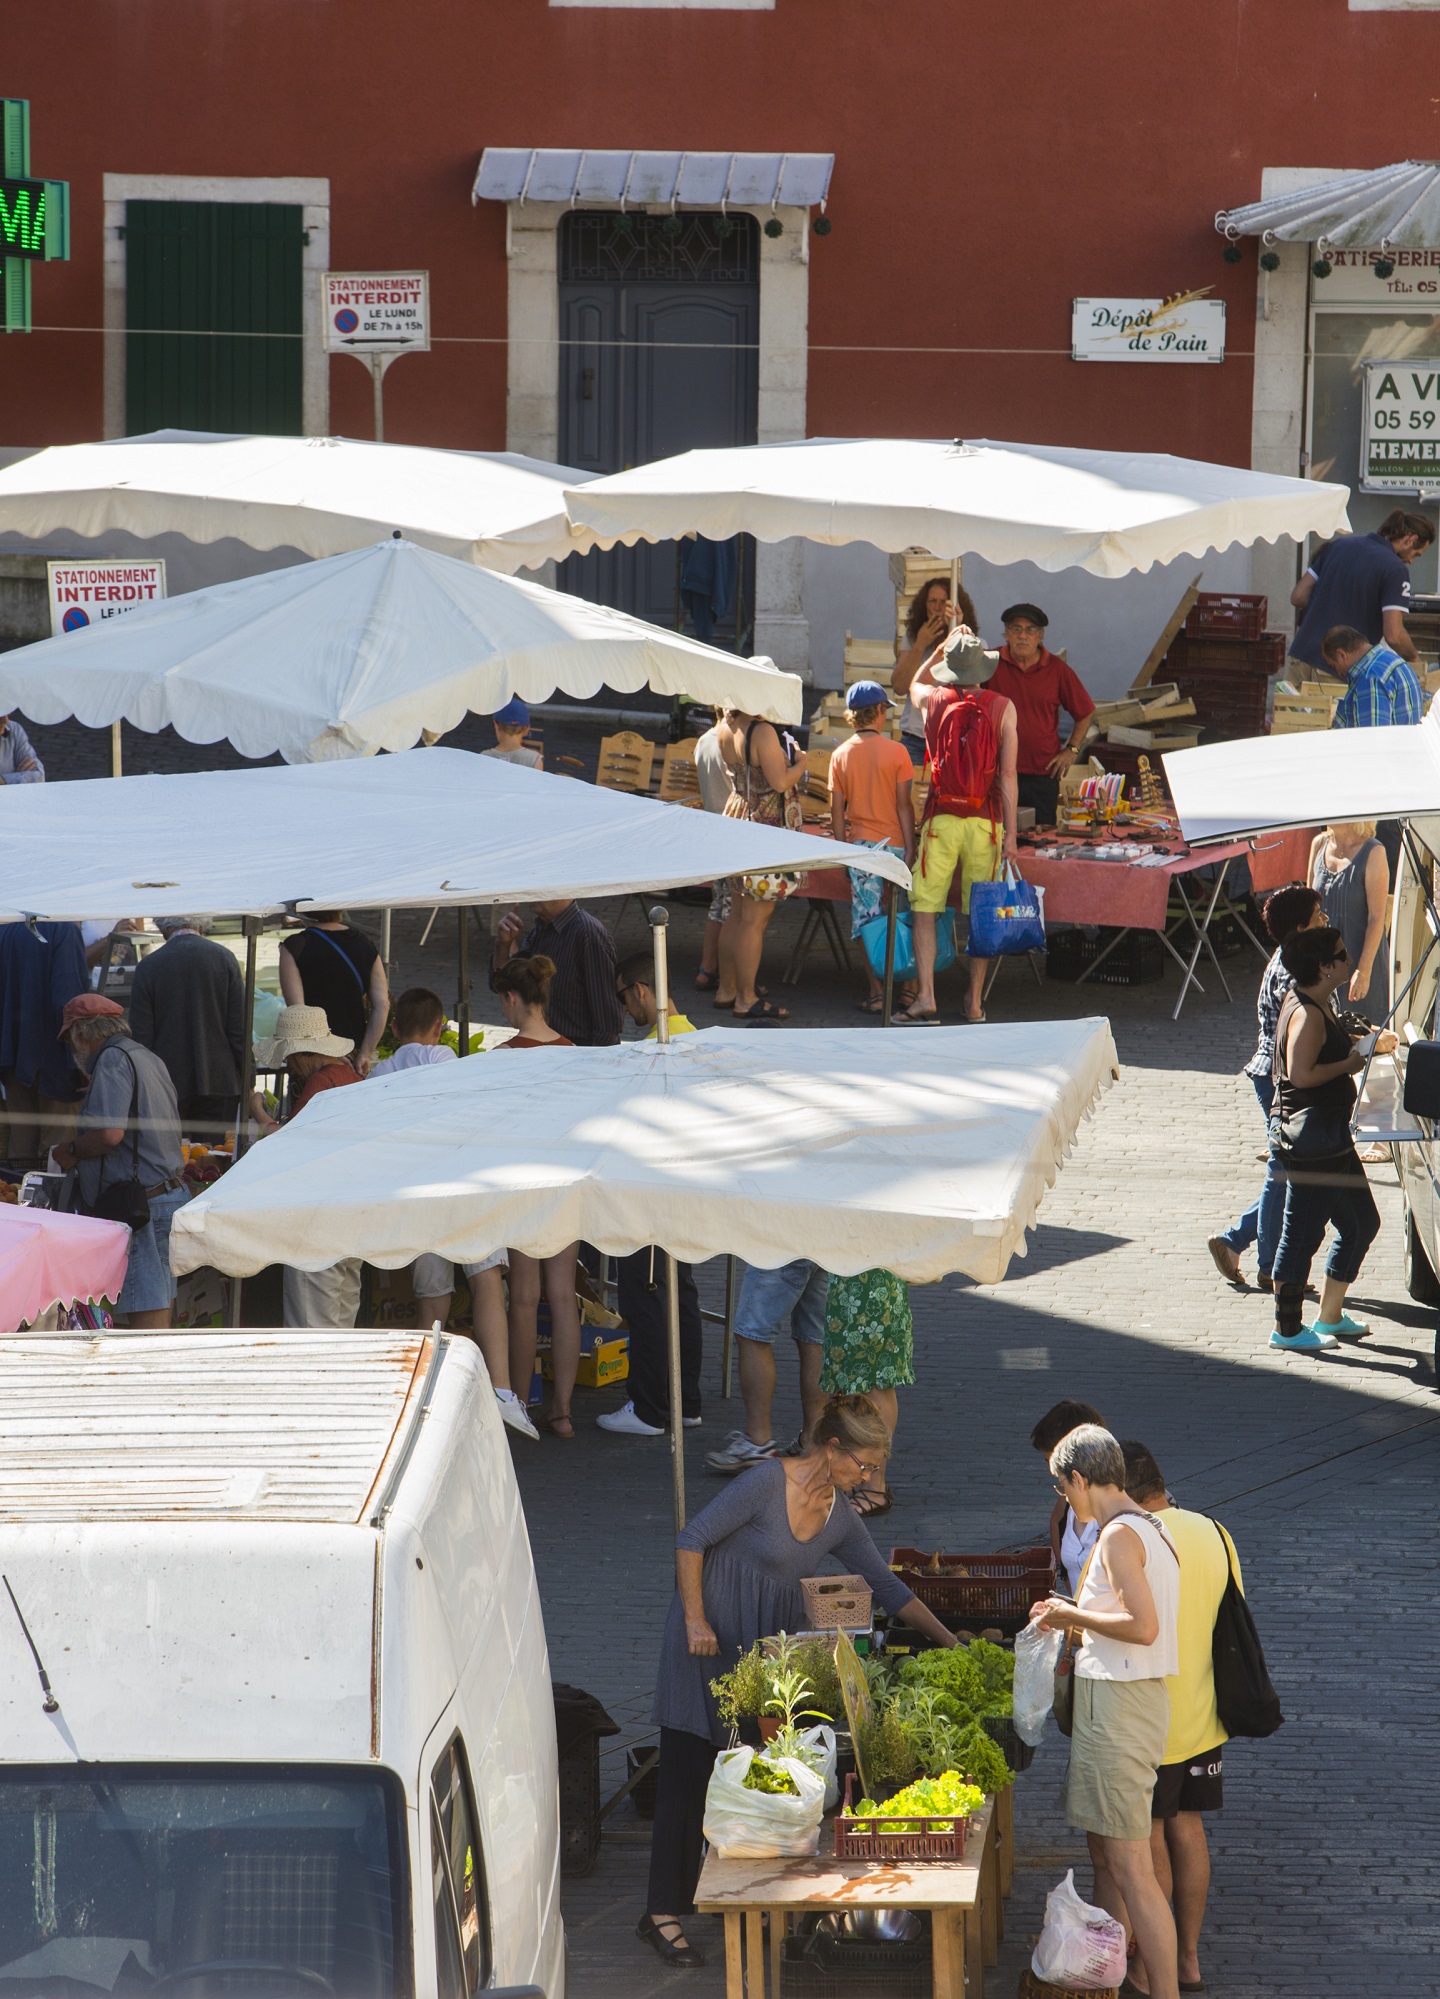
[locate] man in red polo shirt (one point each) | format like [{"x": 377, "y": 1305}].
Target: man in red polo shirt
[{"x": 1040, "y": 685}]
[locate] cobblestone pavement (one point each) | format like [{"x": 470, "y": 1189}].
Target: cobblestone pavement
[{"x": 1327, "y": 1471}]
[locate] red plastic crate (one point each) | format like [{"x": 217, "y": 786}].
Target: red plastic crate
[
  {"x": 1233, "y": 658},
  {"x": 1219, "y": 614},
  {"x": 996, "y": 1590},
  {"x": 882, "y": 1839}
]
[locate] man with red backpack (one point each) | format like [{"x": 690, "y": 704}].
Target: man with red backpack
[{"x": 969, "y": 818}]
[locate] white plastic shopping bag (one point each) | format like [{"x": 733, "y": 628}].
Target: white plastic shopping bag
[
  {"x": 1079, "y": 1946},
  {"x": 741, "y": 1824},
  {"x": 818, "y": 1745},
  {"x": 1037, "y": 1654}
]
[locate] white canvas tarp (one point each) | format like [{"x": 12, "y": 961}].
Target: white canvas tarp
[
  {"x": 363, "y": 652},
  {"x": 1223, "y": 791},
  {"x": 318, "y": 494},
  {"x": 929, "y": 1153},
  {"x": 1108, "y": 512},
  {"x": 408, "y": 831}
]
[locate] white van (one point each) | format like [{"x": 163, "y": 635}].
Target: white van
[
  {"x": 300, "y": 1737},
  {"x": 1415, "y": 991}
]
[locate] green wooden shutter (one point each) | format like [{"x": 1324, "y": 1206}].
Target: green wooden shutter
[{"x": 199, "y": 276}]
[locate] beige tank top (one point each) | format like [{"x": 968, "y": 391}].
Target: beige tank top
[{"x": 1116, "y": 1658}]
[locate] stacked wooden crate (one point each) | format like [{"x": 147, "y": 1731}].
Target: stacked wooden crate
[
  {"x": 1311, "y": 705},
  {"x": 1149, "y": 718}
]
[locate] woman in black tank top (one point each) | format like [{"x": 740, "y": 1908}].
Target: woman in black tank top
[{"x": 1314, "y": 1068}]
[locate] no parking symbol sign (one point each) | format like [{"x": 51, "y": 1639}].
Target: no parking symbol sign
[{"x": 368, "y": 312}]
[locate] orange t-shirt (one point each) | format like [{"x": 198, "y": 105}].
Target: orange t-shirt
[{"x": 866, "y": 772}]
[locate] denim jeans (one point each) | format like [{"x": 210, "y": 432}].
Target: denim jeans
[
  {"x": 149, "y": 1285},
  {"x": 1261, "y": 1221},
  {"x": 1338, "y": 1193}
]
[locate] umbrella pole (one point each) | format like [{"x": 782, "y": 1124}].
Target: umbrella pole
[
  {"x": 659, "y": 922},
  {"x": 677, "y": 1433},
  {"x": 115, "y": 770},
  {"x": 888, "y": 1002},
  {"x": 385, "y": 940},
  {"x": 727, "y": 1351},
  {"x": 462, "y": 1004},
  {"x": 247, "y": 1082}
]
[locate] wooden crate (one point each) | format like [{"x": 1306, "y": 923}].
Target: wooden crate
[{"x": 1298, "y": 710}]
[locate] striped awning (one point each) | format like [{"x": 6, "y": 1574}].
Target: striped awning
[
  {"x": 1388, "y": 208},
  {"x": 677, "y": 180}
]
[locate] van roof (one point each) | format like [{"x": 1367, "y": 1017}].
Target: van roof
[{"x": 252, "y": 1425}]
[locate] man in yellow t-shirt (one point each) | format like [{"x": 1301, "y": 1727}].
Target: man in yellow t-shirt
[
  {"x": 640, "y": 1277},
  {"x": 1190, "y": 1780}
]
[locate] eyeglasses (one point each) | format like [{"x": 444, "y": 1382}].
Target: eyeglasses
[
  {"x": 1060, "y": 1488},
  {"x": 869, "y": 1471},
  {"x": 1340, "y": 958}
]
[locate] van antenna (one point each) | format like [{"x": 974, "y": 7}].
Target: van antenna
[{"x": 51, "y": 1705}]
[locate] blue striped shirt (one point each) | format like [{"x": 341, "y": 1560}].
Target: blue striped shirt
[
  {"x": 1383, "y": 693},
  {"x": 18, "y": 761}
]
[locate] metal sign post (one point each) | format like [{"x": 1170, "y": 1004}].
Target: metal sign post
[
  {"x": 659, "y": 923},
  {"x": 376, "y": 316}
]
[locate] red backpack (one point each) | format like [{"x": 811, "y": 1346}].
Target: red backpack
[{"x": 963, "y": 745}]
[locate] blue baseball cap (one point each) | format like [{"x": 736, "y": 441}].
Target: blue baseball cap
[
  {"x": 514, "y": 715},
  {"x": 868, "y": 694}
]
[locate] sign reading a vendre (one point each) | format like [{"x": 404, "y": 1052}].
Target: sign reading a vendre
[
  {"x": 1400, "y": 433},
  {"x": 86, "y": 593},
  {"x": 1188, "y": 327}
]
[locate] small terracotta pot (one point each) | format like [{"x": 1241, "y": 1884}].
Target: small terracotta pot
[{"x": 769, "y": 1727}]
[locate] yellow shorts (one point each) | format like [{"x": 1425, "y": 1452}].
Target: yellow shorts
[{"x": 947, "y": 843}]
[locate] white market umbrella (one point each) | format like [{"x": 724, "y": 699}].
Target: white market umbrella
[
  {"x": 1108, "y": 512},
  {"x": 1224, "y": 791},
  {"x": 322, "y": 495},
  {"x": 404, "y": 832},
  {"x": 363, "y": 652},
  {"x": 925, "y": 1153}
]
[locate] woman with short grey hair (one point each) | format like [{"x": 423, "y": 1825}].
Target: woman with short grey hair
[{"x": 1126, "y": 1612}]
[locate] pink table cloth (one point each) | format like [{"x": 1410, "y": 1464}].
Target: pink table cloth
[
  {"x": 48, "y": 1259},
  {"x": 1118, "y": 894}
]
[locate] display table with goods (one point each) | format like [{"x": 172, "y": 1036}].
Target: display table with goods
[{"x": 923, "y": 1787}]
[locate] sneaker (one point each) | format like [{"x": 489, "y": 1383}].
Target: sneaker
[
  {"x": 690, "y": 1422},
  {"x": 1308, "y": 1340},
  {"x": 739, "y": 1453},
  {"x": 514, "y": 1413},
  {"x": 1343, "y": 1328},
  {"x": 797, "y": 1446},
  {"x": 625, "y": 1423}
]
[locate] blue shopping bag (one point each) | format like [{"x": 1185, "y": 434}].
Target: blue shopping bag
[
  {"x": 1007, "y": 917},
  {"x": 872, "y": 936}
]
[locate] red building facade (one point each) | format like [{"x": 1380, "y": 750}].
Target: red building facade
[{"x": 990, "y": 166}]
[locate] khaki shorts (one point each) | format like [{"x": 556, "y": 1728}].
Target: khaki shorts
[
  {"x": 1115, "y": 1750},
  {"x": 948, "y": 843}
]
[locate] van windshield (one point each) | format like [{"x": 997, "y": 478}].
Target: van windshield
[{"x": 202, "y": 1880}]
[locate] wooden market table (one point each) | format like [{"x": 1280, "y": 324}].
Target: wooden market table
[
  {"x": 1137, "y": 895},
  {"x": 963, "y": 1898}
]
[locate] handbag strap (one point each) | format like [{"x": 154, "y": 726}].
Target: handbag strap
[
  {"x": 340, "y": 953},
  {"x": 134, "y": 1118}
]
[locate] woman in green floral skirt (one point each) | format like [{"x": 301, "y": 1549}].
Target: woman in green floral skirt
[{"x": 869, "y": 1350}]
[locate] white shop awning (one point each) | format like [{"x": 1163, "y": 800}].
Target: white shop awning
[
  {"x": 1390, "y": 207},
  {"x": 401, "y": 832},
  {"x": 1224, "y": 791},
  {"x": 930, "y": 1150},
  {"x": 678, "y": 180}
]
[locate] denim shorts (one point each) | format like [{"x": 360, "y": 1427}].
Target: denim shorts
[
  {"x": 149, "y": 1285},
  {"x": 790, "y": 1299}
]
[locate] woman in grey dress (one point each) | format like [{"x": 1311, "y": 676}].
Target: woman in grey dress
[
  {"x": 1350, "y": 874},
  {"x": 739, "y": 1566}
]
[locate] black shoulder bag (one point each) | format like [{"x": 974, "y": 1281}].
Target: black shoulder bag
[
  {"x": 125, "y": 1200},
  {"x": 1245, "y": 1697}
]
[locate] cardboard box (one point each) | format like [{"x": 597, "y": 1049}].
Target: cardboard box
[{"x": 602, "y": 1364}]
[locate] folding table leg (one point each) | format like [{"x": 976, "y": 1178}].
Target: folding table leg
[
  {"x": 948, "y": 1954},
  {"x": 1090, "y": 970},
  {"x": 734, "y": 1956},
  {"x": 791, "y": 975},
  {"x": 1005, "y": 1822},
  {"x": 755, "y": 1954},
  {"x": 1202, "y": 938}
]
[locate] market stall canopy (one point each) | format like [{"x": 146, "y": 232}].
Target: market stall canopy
[
  {"x": 402, "y": 832},
  {"x": 49, "y": 1259},
  {"x": 364, "y": 652},
  {"x": 1392, "y": 208},
  {"x": 1223, "y": 791},
  {"x": 679, "y": 180},
  {"x": 931, "y": 1152},
  {"x": 322, "y": 495},
  {"x": 1108, "y": 512}
]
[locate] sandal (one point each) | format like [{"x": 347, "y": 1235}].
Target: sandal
[
  {"x": 926, "y": 1017},
  {"x": 762, "y": 1010},
  {"x": 706, "y": 982},
  {"x": 553, "y": 1424},
  {"x": 875, "y": 1005},
  {"x": 727, "y": 1006},
  {"x": 870, "y": 1505},
  {"x": 683, "y": 1956}
]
